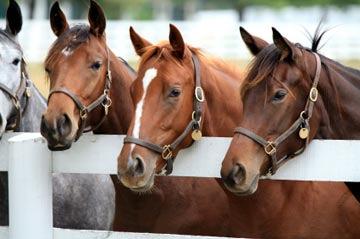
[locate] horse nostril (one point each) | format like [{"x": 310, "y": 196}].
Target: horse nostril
[
  {"x": 137, "y": 166},
  {"x": 1, "y": 121},
  {"x": 44, "y": 127},
  {"x": 64, "y": 125},
  {"x": 236, "y": 176}
]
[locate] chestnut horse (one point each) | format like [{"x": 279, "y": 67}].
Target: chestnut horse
[
  {"x": 77, "y": 68},
  {"x": 288, "y": 83}
]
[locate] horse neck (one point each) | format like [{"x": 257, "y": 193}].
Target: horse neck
[
  {"x": 340, "y": 93},
  {"x": 31, "y": 117},
  {"x": 121, "y": 110},
  {"x": 223, "y": 105}
]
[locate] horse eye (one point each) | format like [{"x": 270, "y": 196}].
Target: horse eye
[
  {"x": 175, "y": 92},
  {"x": 279, "y": 95},
  {"x": 16, "y": 61},
  {"x": 96, "y": 66}
]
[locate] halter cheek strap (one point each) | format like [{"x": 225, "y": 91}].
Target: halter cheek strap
[
  {"x": 23, "y": 92},
  {"x": 302, "y": 123},
  {"x": 167, "y": 151}
]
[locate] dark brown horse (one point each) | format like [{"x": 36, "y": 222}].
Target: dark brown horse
[
  {"x": 280, "y": 89},
  {"x": 78, "y": 71}
]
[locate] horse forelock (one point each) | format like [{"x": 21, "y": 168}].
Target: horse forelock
[
  {"x": 9, "y": 40},
  {"x": 68, "y": 42},
  {"x": 164, "y": 52}
]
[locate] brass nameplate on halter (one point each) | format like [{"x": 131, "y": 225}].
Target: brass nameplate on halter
[
  {"x": 304, "y": 133},
  {"x": 196, "y": 135}
]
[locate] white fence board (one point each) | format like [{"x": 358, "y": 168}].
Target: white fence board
[
  {"x": 4, "y": 232},
  {"x": 324, "y": 160},
  {"x": 88, "y": 234},
  {"x": 85, "y": 234}
]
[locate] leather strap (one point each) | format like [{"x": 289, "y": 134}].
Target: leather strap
[
  {"x": 23, "y": 92},
  {"x": 270, "y": 147},
  {"x": 166, "y": 151}
]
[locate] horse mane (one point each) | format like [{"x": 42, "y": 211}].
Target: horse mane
[
  {"x": 69, "y": 40},
  {"x": 270, "y": 56},
  {"x": 164, "y": 51}
]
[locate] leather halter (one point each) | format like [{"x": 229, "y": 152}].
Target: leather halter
[
  {"x": 270, "y": 147},
  {"x": 24, "y": 90},
  {"x": 166, "y": 151},
  {"x": 104, "y": 100}
]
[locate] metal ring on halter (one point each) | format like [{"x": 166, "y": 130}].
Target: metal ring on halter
[
  {"x": 302, "y": 115},
  {"x": 106, "y": 104},
  {"x": 199, "y": 94},
  {"x": 83, "y": 114},
  {"x": 313, "y": 94},
  {"x": 193, "y": 117},
  {"x": 270, "y": 148},
  {"x": 167, "y": 152}
]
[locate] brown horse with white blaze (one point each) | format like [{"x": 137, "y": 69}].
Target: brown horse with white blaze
[
  {"x": 171, "y": 107},
  {"x": 288, "y": 83}
]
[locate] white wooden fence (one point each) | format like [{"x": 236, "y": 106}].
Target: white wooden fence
[{"x": 30, "y": 165}]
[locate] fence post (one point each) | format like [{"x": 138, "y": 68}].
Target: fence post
[{"x": 30, "y": 188}]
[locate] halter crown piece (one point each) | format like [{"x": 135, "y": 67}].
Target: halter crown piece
[
  {"x": 301, "y": 124},
  {"x": 104, "y": 100},
  {"x": 24, "y": 91},
  {"x": 166, "y": 151}
]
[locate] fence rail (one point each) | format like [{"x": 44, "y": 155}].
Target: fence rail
[
  {"x": 31, "y": 164},
  {"x": 342, "y": 41}
]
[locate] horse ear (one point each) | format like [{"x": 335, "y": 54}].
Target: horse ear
[
  {"x": 253, "y": 43},
  {"x": 58, "y": 20},
  {"x": 176, "y": 41},
  {"x": 97, "y": 19},
  {"x": 288, "y": 50},
  {"x": 138, "y": 42},
  {"x": 13, "y": 18}
]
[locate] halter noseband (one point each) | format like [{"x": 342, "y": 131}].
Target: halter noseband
[
  {"x": 166, "y": 151},
  {"x": 270, "y": 147},
  {"x": 16, "y": 99},
  {"x": 104, "y": 100}
]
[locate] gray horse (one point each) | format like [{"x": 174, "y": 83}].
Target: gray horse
[{"x": 80, "y": 201}]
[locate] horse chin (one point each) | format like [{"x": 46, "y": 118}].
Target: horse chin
[
  {"x": 142, "y": 189},
  {"x": 245, "y": 191},
  {"x": 59, "y": 147}
]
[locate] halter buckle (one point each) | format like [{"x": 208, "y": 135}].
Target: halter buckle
[
  {"x": 167, "y": 152},
  {"x": 313, "y": 94},
  {"x": 83, "y": 114},
  {"x": 107, "y": 104},
  {"x": 199, "y": 94},
  {"x": 270, "y": 148},
  {"x": 193, "y": 117},
  {"x": 16, "y": 103}
]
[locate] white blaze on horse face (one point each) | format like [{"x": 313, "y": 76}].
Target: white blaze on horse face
[
  {"x": 150, "y": 74},
  {"x": 67, "y": 51}
]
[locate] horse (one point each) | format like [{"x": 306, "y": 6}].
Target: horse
[
  {"x": 79, "y": 66},
  {"x": 292, "y": 95},
  {"x": 79, "y": 202}
]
